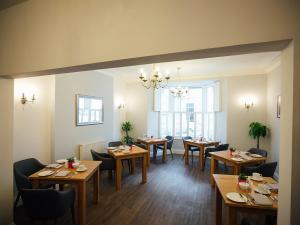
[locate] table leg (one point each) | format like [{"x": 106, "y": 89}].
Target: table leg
[
  {"x": 201, "y": 154},
  {"x": 82, "y": 203},
  {"x": 218, "y": 207},
  {"x": 154, "y": 152},
  {"x": 118, "y": 174},
  {"x": 186, "y": 153},
  {"x": 132, "y": 165},
  {"x": 144, "y": 169},
  {"x": 96, "y": 186},
  {"x": 212, "y": 170},
  {"x": 165, "y": 152},
  {"x": 236, "y": 169},
  {"x": 231, "y": 216},
  {"x": 148, "y": 148}
]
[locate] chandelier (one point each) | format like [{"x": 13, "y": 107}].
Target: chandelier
[
  {"x": 156, "y": 80},
  {"x": 179, "y": 91}
]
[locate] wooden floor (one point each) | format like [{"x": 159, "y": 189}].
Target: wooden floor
[{"x": 174, "y": 194}]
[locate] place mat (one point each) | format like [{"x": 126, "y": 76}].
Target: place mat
[
  {"x": 260, "y": 199},
  {"x": 62, "y": 173}
]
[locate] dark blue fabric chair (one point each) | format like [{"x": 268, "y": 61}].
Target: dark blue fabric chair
[
  {"x": 266, "y": 169},
  {"x": 108, "y": 162},
  {"x": 261, "y": 152},
  {"x": 48, "y": 204},
  {"x": 169, "y": 144},
  {"x": 192, "y": 149},
  {"x": 22, "y": 170}
]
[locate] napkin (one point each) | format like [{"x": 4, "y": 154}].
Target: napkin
[
  {"x": 54, "y": 166},
  {"x": 260, "y": 199},
  {"x": 62, "y": 173}
]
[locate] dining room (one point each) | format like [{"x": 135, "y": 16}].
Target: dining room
[{"x": 105, "y": 132}]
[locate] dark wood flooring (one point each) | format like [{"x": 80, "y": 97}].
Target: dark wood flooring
[{"x": 174, "y": 194}]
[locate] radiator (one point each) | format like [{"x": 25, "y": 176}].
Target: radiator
[{"x": 85, "y": 149}]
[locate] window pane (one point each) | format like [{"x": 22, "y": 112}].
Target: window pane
[
  {"x": 210, "y": 99},
  {"x": 177, "y": 104},
  {"x": 191, "y": 123},
  {"x": 163, "y": 124},
  {"x": 199, "y": 125},
  {"x": 165, "y": 100},
  {"x": 177, "y": 125},
  {"x": 205, "y": 126},
  {"x": 184, "y": 124},
  {"x": 211, "y": 124}
]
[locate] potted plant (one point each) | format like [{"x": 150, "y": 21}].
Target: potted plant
[
  {"x": 257, "y": 130},
  {"x": 126, "y": 127}
]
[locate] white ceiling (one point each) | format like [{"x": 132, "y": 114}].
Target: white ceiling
[{"x": 248, "y": 64}]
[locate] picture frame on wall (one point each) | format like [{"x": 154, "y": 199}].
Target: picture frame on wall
[
  {"x": 278, "y": 105},
  {"x": 89, "y": 110}
]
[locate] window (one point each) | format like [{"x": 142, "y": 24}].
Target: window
[{"x": 193, "y": 115}]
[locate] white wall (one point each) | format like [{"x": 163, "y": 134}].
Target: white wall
[
  {"x": 274, "y": 90},
  {"x": 138, "y": 108},
  {"x": 238, "y": 118},
  {"x": 67, "y": 136},
  {"x": 6, "y": 150},
  {"x": 32, "y": 121},
  {"x": 119, "y": 88}
]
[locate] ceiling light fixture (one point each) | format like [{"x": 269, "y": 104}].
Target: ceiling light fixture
[
  {"x": 156, "y": 80},
  {"x": 179, "y": 91}
]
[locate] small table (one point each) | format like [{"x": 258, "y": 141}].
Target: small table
[
  {"x": 201, "y": 145},
  {"x": 80, "y": 179},
  {"x": 155, "y": 142},
  {"x": 226, "y": 157},
  {"x": 135, "y": 152},
  {"x": 229, "y": 183}
]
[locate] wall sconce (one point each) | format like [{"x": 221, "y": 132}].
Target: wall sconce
[
  {"x": 24, "y": 99},
  {"x": 121, "y": 106},
  {"x": 248, "y": 103}
]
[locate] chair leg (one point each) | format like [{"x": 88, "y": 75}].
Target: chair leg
[
  {"x": 55, "y": 221},
  {"x": 129, "y": 165},
  {"x": 73, "y": 214},
  {"x": 192, "y": 157},
  {"x": 16, "y": 201},
  {"x": 171, "y": 153}
]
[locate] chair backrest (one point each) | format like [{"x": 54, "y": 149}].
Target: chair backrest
[
  {"x": 223, "y": 147},
  {"x": 187, "y": 138},
  {"x": 267, "y": 169},
  {"x": 170, "y": 141},
  {"x": 261, "y": 152},
  {"x": 23, "y": 169},
  {"x": 95, "y": 155},
  {"x": 114, "y": 143},
  {"x": 47, "y": 203}
]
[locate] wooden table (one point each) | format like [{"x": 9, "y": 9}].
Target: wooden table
[
  {"x": 201, "y": 145},
  {"x": 229, "y": 183},
  {"x": 155, "y": 142},
  {"x": 225, "y": 157},
  {"x": 135, "y": 152},
  {"x": 79, "y": 179}
]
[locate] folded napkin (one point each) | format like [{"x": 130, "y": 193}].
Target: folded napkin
[
  {"x": 54, "y": 166},
  {"x": 260, "y": 199}
]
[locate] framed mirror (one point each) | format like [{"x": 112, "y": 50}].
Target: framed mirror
[{"x": 89, "y": 110}]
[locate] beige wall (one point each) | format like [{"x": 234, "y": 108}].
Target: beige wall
[
  {"x": 32, "y": 121},
  {"x": 47, "y": 34},
  {"x": 6, "y": 150},
  {"x": 38, "y": 35}
]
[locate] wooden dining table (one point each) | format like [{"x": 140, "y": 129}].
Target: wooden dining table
[
  {"x": 132, "y": 154},
  {"x": 228, "y": 159},
  {"x": 148, "y": 142},
  {"x": 229, "y": 183},
  {"x": 201, "y": 145},
  {"x": 79, "y": 179}
]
